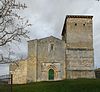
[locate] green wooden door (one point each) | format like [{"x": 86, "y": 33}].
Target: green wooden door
[{"x": 51, "y": 74}]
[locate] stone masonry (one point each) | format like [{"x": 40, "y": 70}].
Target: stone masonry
[
  {"x": 51, "y": 58},
  {"x": 78, "y": 36}
]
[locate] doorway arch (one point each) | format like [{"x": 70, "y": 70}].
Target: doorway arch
[{"x": 51, "y": 74}]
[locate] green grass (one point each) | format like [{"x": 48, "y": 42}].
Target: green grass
[{"x": 78, "y": 85}]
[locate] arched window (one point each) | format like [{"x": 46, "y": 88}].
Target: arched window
[
  {"x": 51, "y": 74},
  {"x": 52, "y": 46}
]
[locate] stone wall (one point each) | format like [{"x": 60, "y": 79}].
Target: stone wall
[
  {"x": 51, "y": 55},
  {"x": 31, "y": 70},
  {"x": 79, "y": 59},
  {"x": 32, "y": 61},
  {"x": 79, "y": 32},
  {"x": 78, "y": 36},
  {"x": 80, "y": 63},
  {"x": 74, "y": 74},
  {"x": 19, "y": 71}
]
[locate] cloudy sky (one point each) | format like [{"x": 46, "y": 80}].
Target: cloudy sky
[{"x": 47, "y": 18}]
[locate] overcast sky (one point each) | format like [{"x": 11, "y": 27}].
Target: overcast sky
[{"x": 47, "y": 18}]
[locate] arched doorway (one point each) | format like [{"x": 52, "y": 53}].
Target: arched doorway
[{"x": 51, "y": 74}]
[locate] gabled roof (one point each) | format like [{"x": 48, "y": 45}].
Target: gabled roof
[
  {"x": 73, "y": 16},
  {"x": 50, "y": 38},
  {"x": 46, "y": 38}
]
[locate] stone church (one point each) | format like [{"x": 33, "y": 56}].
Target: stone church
[{"x": 52, "y": 58}]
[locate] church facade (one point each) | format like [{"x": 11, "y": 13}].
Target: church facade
[{"x": 52, "y": 58}]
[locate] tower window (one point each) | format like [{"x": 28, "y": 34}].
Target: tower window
[
  {"x": 75, "y": 24},
  {"x": 83, "y": 24}
]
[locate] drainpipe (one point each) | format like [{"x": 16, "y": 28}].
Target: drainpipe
[{"x": 36, "y": 59}]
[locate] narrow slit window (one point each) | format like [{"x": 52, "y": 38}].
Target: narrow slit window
[
  {"x": 52, "y": 46},
  {"x": 83, "y": 24},
  {"x": 75, "y": 24}
]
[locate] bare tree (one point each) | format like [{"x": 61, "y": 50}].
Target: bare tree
[{"x": 12, "y": 26}]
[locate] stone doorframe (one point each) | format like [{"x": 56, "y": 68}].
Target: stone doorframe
[{"x": 55, "y": 71}]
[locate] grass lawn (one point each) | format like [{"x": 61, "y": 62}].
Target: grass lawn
[{"x": 78, "y": 85}]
